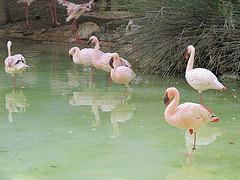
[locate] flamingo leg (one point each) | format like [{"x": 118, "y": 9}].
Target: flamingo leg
[
  {"x": 26, "y": 15},
  {"x": 21, "y": 82},
  {"x": 194, "y": 141},
  {"x": 51, "y": 8},
  {"x": 201, "y": 98},
  {"x": 75, "y": 30},
  {"x": 52, "y": 5},
  {"x": 109, "y": 80},
  {"x": 92, "y": 74},
  {"x": 13, "y": 83}
]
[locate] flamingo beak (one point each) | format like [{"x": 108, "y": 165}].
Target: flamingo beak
[
  {"x": 111, "y": 63},
  {"x": 224, "y": 88},
  {"x": 71, "y": 57},
  {"x": 185, "y": 54},
  {"x": 215, "y": 119},
  {"x": 166, "y": 100}
]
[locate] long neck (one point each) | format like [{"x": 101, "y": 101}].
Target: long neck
[
  {"x": 171, "y": 108},
  {"x": 97, "y": 47},
  {"x": 190, "y": 60},
  {"x": 9, "y": 50}
]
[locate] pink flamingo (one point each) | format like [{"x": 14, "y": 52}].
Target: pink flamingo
[
  {"x": 120, "y": 74},
  {"x": 26, "y": 4},
  {"x": 188, "y": 115},
  {"x": 83, "y": 57},
  {"x": 74, "y": 11},
  {"x": 14, "y": 64},
  {"x": 100, "y": 60},
  {"x": 200, "y": 79}
]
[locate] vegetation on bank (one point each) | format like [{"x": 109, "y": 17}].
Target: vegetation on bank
[{"x": 211, "y": 26}]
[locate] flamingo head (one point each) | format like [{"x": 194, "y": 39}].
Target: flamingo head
[
  {"x": 114, "y": 57},
  {"x": 92, "y": 40},
  {"x": 166, "y": 99},
  {"x": 169, "y": 95},
  {"x": 187, "y": 52},
  {"x": 9, "y": 44},
  {"x": 72, "y": 51}
]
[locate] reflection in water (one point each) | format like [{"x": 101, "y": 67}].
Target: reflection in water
[
  {"x": 206, "y": 136},
  {"x": 121, "y": 114},
  {"x": 188, "y": 172},
  {"x": 16, "y": 102},
  {"x": 115, "y": 102}
]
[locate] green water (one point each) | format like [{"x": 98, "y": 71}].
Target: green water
[{"x": 61, "y": 126}]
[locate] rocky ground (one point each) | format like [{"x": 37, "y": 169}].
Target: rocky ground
[{"x": 110, "y": 27}]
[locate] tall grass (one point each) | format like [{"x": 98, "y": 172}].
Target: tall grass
[{"x": 211, "y": 26}]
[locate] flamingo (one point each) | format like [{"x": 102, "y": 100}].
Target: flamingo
[
  {"x": 83, "y": 56},
  {"x": 120, "y": 74},
  {"x": 188, "y": 115},
  {"x": 14, "y": 64},
  {"x": 200, "y": 79},
  {"x": 74, "y": 11},
  {"x": 26, "y": 4},
  {"x": 100, "y": 60}
]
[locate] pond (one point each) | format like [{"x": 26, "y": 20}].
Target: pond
[{"x": 62, "y": 126}]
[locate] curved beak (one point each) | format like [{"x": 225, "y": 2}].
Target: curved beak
[
  {"x": 166, "y": 100},
  {"x": 215, "y": 118},
  {"x": 185, "y": 54},
  {"x": 111, "y": 63},
  {"x": 71, "y": 57}
]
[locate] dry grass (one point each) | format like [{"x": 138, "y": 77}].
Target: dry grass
[{"x": 212, "y": 27}]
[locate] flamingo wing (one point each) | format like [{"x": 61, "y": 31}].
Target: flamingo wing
[{"x": 200, "y": 79}]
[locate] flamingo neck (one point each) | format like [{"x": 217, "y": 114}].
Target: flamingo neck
[
  {"x": 97, "y": 46},
  {"x": 190, "y": 60},
  {"x": 9, "y": 50},
  {"x": 171, "y": 108}
]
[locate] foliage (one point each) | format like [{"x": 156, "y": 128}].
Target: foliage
[{"x": 211, "y": 26}]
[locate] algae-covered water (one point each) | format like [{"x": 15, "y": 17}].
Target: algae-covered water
[{"x": 62, "y": 126}]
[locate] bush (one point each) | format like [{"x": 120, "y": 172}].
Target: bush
[{"x": 211, "y": 26}]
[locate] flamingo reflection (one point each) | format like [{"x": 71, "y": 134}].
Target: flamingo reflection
[
  {"x": 121, "y": 114},
  {"x": 206, "y": 136},
  {"x": 16, "y": 102},
  {"x": 99, "y": 100}
]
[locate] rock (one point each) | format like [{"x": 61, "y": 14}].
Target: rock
[
  {"x": 27, "y": 32},
  {"x": 87, "y": 28}
]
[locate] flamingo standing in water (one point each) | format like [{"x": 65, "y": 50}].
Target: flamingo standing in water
[
  {"x": 14, "y": 64},
  {"x": 100, "y": 60},
  {"x": 74, "y": 11},
  {"x": 188, "y": 115},
  {"x": 120, "y": 74},
  {"x": 26, "y": 4},
  {"x": 200, "y": 79},
  {"x": 83, "y": 57}
]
